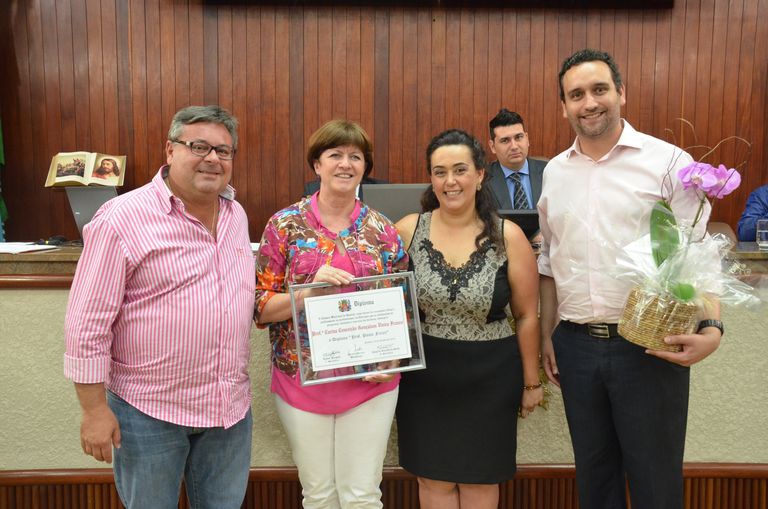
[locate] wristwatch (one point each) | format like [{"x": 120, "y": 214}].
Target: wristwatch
[{"x": 711, "y": 323}]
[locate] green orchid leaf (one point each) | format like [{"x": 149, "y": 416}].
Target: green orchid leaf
[{"x": 664, "y": 232}]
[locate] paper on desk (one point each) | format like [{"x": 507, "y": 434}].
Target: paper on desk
[{"x": 22, "y": 247}]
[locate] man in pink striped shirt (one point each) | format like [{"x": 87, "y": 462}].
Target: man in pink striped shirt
[{"x": 158, "y": 324}]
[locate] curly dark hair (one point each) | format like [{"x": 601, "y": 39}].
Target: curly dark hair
[{"x": 485, "y": 205}]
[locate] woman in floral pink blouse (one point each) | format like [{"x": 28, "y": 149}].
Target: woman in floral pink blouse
[{"x": 338, "y": 431}]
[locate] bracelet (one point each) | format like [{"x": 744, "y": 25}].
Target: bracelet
[{"x": 532, "y": 387}]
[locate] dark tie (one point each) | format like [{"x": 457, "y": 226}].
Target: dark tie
[{"x": 521, "y": 200}]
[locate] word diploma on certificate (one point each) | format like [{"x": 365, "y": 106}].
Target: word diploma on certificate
[{"x": 357, "y": 330}]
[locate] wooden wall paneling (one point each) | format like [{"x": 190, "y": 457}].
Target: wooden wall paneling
[
  {"x": 410, "y": 88},
  {"x": 238, "y": 54},
  {"x": 381, "y": 94},
  {"x": 311, "y": 96},
  {"x": 480, "y": 64},
  {"x": 647, "y": 34},
  {"x": 294, "y": 74},
  {"x": 706, "y": 486},
  {"x": 502, "y": 66},
  {"x": 196, "y": 41},
  {"x": 173, "y": 68},
  {"x": 593, "y": 27},
  {"x": 453, "y": 78},
  {"x": 719, "y": 34},
  {"x": 424, "y": 91},
  {"x": 112, "y": 119},
  {"x": 351, "y": 77},
  {"x": 676, "y": 77},
  {"x": 67, "y": 100},
  {"x": 714, "y": 113},
  {"x": 268, "y": 113},
  {"x": 621, "y": 47},
  {"x": 142, "y": 170},
  {"x": 95, "y": 73},
  {"x": 689, "y": 77},
  {"x": 326, "y": 72},
  {"x": 747, "y": 98},
  {"x": 339, "y": 65},
  {"x": 162, "y": 76},
  {"x": 224, "y": 64},
  {"x": 405, "y": 74},
  {"x": 702, "y": 95},
  {"x": 16, "y": 109},
  {"x": 368, "y": 76},
  {"x": 508, "y": 67},
  {"x": 633, "y": 68},
  {"x": 549, "y": 67},
  {"x": 137, "y": 163},
  {"x": 123, "y": 77},
  {"x": 439, "y": 78},
  {"x": 463, "y": 100},
  {"x": 63, "y": 31},
  {"x": 537, "y": 123},
  {"x": 211, "y": 71},
  {"x": 578, "y": 24},
  {"x": 253, "y": 165},
  {"x": 395, "y": 106},
  {"x": 662, "y": 72},
  {"x": 564, "y": 38},
  {"x": 80, "y": 59},
  {"x": 282, "y": 131},
  {"x": 52, "y": 112}
]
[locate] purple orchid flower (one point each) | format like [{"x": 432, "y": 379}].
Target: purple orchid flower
[
  {"x": 698, "y": 175},
  {"x": 714, "y": 182},
  {"x": 727, "y": 181}
]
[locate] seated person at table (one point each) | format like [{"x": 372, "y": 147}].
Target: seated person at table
[{"x": 756, "y": 208}]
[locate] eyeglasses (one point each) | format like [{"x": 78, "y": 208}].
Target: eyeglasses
[{"x": 202, "y": 148}]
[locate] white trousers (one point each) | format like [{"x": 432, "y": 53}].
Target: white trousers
[{"x": 340, "y": 457}]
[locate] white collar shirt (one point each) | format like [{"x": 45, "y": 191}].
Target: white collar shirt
[{"x": 589, "y": 210}]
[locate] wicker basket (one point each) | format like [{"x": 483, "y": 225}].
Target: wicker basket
[{"x": 648, "y": 318}]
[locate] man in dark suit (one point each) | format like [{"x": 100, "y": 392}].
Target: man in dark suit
[
  {"x": 313, "y": 186},
  {"x": 514, "y": 179}
]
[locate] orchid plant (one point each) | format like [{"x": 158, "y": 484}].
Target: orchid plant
[{"x": 708, "y": 181}]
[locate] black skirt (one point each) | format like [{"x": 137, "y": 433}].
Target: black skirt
[{"x": 457, "y": 419}]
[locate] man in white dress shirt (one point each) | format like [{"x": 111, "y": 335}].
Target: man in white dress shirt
[{"x": 626, "y": 406}]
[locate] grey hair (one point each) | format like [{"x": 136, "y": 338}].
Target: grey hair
[{"x": 195, "y": 114}]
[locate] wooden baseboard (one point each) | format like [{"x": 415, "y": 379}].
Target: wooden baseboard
[{"x": 707, "y": 486}]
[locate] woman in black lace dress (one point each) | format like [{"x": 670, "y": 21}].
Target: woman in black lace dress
[{"x": 457, "y": 420}]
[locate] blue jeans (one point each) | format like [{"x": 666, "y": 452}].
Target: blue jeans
[
  {"x": 627, "y": 413},
  {"x": 155, "y": 455}
]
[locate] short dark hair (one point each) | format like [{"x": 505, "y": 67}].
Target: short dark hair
[
  {"x": 504, "y": 118},
  {"x": 485, "y": 203},
  {"x": 195, "y": 114},
  {"x": 589, "y": 55},
  {"x": 336, "y": 133}
]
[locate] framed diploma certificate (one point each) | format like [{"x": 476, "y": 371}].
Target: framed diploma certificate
[{"x": 368, "y": 327}]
